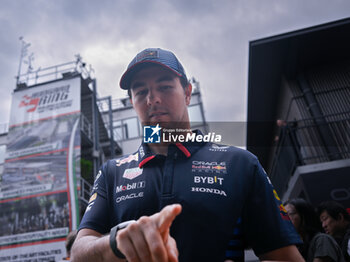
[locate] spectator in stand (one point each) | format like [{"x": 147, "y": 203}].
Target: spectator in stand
[
  {"x": 336, "y": 222},
  {"x": 317, "y": 246}
]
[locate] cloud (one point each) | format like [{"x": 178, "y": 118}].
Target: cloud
[{"x": 210, "y": 37}]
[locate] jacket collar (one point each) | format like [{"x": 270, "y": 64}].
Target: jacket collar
[{"x": 187, "y": 149}]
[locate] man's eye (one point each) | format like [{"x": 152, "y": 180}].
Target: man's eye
[
  {"x": 141, "y": 92},
  {"x": 166, "y": 87}
]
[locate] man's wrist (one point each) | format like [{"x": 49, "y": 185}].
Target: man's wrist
[{"x": 113, "y": 238}]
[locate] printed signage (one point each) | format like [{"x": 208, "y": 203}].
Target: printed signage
[{"x": 38, "y": 186}]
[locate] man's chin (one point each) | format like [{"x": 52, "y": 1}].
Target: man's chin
[{"x": 157, "y": 122}]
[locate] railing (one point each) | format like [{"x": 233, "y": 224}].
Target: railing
[
  {"x": 106, "y": 114},
  {"x": 4, "y": 128},
  {"x": 120, "y": 103},
  {"x": 85, "y": 190},
  {"x": 86, "y": 126},
  {"x": 301, "y": 143},
  {"x": 55, "y": 72},
  {"x": 116, "y": 104},
  {"x": 315, "y": 147}
]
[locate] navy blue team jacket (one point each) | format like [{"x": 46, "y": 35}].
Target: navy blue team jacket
[{"x": 216, "y": 186}]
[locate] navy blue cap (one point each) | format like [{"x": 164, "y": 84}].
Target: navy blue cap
[{"x": 152, "y": 56}]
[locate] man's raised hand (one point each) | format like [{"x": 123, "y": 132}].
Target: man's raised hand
[{"x": 148, "y": 238}]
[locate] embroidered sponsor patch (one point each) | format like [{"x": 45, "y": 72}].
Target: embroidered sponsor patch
[
  {"x": 91, "y": 202},
  {"x": 141, "y": 152},
  {"x": 208, "y": 180},
  {"x": 127, "y": 159},
  {"x": 209, "y": 190},
  {"x": 93, "y": 197},
  {"x": 130, "y": 196},
  {"x": 131, "y": 173},
  {"x": 209, "y": 167},
  {"x": 98, "y": 176},
  {"x": 147, "y": 54},
  {"x": 132, "y": 186},
  {"x": 218, "y": 148},
  {"x": 95, "y": 187}
]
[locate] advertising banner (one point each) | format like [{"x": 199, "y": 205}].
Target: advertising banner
[
  {"x": 38, "y": 188},
  {"x": 49, "y": 252},
  {"x": 45, "y": 101}
]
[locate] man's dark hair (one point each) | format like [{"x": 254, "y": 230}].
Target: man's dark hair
[
  {"x": 334, "y": 209},
  {"x": 70, "y": 241}
]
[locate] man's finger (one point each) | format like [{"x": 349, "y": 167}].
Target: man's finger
[
  {"x": 173, "y": 252},
  {"x": 139, "y": 242},
  {"x": 166, "y": 216},
  {"x": 126, "y": 246},
  {"x": 155, "y": 243}
]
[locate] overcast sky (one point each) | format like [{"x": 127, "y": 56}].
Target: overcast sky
[{"x": 210, "y": 37}]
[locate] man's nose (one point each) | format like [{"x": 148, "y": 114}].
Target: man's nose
[
  {"x": 153, "y": 97},
  {"x": 324, "y": 224}
]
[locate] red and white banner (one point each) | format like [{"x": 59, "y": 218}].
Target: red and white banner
[
  {"x": 45, "y": 101},
  {"x": 38, "y": 188}
]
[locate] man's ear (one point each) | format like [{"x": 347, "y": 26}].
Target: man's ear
[
  {"x": 340, "y": 217},
  {"x": 188, "y": 93}
]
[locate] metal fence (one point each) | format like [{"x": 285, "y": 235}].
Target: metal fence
[
  {"x": 85, "y": 190},
  {"x": 51, "y": 73},
  {"x": 4, "y": 128},
  {"x": 86, "y": 126},
  {"x": 301, "y": 143}
]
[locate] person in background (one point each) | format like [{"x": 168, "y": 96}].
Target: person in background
[
  {"x": 69, "y": 243},
  {"x": 336, "y": 222},
  {"x": 317, "y": 246}
]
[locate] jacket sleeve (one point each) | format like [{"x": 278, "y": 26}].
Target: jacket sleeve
[
  {"x": 266, "y": 224},
  {"x": 97, "y": 215}
]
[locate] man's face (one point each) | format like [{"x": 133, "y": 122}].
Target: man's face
[
  {"x": 158, "y": 97},
  {"x": 330, "y": 225}
]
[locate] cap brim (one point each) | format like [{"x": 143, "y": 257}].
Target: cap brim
[{"x": 125, "y": 80}]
